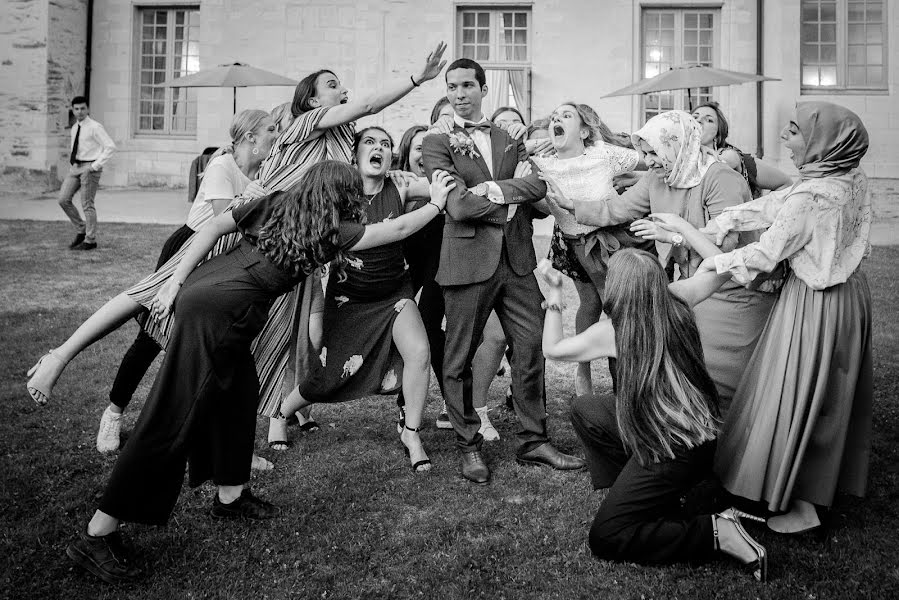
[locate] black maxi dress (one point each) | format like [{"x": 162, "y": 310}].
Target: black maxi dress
[
  {"x": 202, "y": 407},
  {"x": 358, "y": 357}
]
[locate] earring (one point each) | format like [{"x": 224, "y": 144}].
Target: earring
[{"x": 255, "y": 150}]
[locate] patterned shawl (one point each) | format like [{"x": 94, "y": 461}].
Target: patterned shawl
[
  {"x": 675, "y": 137},
  {"x": 835, "y": 139}
]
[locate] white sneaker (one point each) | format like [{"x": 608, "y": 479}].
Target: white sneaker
[
  {"x": 443, "y": 421},
  {"x": 110, "y": 428},
  {"x": 487, "y": 430}
]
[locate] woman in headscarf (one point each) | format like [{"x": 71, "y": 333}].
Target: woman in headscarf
[
  {"x": 801, "y": 426},
  {"x": 688, "y": 180}
]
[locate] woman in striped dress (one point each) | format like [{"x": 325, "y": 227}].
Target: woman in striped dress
[
  {"x": 322, "y": 129},
  {"x": 226, "y": 177}
]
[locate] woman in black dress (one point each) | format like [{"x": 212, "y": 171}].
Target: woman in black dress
[
  {"x": 654, "y": 440},
  {"x": 202, "y": 408},
  {"x": 374, "y": 340}
]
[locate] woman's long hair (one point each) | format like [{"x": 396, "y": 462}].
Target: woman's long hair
[
  {"x": 723, "y": 125},
  {"x": 244, "y": 122},
  {"x": 302, "y": 232},
  {"x": 305, "y": 91},
  {"x": 665, "y": 397},
  {"x": 438, "y": 106},
  {"x": 405, "y": 148}
]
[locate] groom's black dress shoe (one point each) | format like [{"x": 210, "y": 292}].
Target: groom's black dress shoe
[
  {"x": 474, "y": 468},
  {"x": 547, "y": 454}
]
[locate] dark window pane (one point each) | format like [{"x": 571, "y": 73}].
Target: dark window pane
[
  {"x": 828, "y": 54},
  {"x": 875, "y": 34},
  {"x": 667, "y": 20},
  {"x": 482, "y": 53},
  {"x": 809, "y": 12},
  {"x": 705, "y": 37},
  {"x": 828, "y": 12},
  {"x": 521, "y": 53},
  {"x": 158, "y": 77},
  {"x": 810, "y": 54},
  {"x": 467, "y": 19},
  {"x": 856, "y": 12},
  {"x": 144, "y": 123},
  {"x": 856, "y": 34},
  {"x": 874, "y": 13},
  {"x": 483, "y": 36},
  {"x": 467, "y": 36},
  {"x": 507, "y": 20},
  {"x": 809, "y": 33},
  {"x": 521, "y": 36},
  {"x": 521, "y": 19},
  {"x": 159, "y": 63},
  {"x": 691, "y": 20},
  {"x": 179, "y": 17},
  {"x": 828, "y": 33},
  {"x": 468, "y": 52},
  {"x": 705, "y": 21},
  {"x": 483, "y": 19},
  {"x": 856, "y": 55},
  {"x": 158, "y": 123},
  {"x": 507, "y": 37}
]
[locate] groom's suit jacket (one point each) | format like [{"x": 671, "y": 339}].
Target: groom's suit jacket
[{"x": 476, "y": 227}]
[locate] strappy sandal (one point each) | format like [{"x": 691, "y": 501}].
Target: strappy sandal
[
  {"x": 421, "y": 466},
  {"x": 279, "y": 445},
  {"x": 759, "y": 566},
  {"x": 38, "y": 390}
]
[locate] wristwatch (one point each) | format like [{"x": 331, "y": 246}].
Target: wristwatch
[
  {"x": 677, "y": 240},
  {"x": 480, "y": 189}
]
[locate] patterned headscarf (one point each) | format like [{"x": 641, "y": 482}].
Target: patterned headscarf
[
  {"x": 835, "y": 139},
  {"x": 675, "y": 137}
]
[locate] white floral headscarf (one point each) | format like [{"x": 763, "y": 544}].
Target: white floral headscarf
[{"x": 675, "y": 137}]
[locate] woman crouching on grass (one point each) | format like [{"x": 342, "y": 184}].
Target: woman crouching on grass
[
  {"x": 655, "y": 440},
  {"x": 202, "y": 408}
]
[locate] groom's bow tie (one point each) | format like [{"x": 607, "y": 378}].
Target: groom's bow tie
[{"x": 472, "y": 127}]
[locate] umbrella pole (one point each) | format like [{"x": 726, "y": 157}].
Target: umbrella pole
[
  {"x": 234, "y": 104},
  {"x": 690, "y": 99}
]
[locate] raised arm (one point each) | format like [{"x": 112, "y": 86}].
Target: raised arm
[
  {"x": 405, "y": 225},
  {"x": 375, "y": 103},
  {"x": 461, "y": 204}
]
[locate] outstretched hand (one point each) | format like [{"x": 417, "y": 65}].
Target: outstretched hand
[
  {"x": 554, "y": 193},
  {"x": 515, "y": 130},
  {"x": 433, "y": 64},
  {"x": 550, "y": 275},
  {"x": 712, "y": 229},
  {"x": 442, "y": 125},
  {"x": 441, "y": 185}
]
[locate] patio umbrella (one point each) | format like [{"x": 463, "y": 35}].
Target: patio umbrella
[
  {"x": 687, "y": 78},
  {"x": 234, "y": 76}
]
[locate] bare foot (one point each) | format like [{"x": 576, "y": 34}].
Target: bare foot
[
  {"x": 43, "y": 377},
  {"x": 802, "y": 517},
  {"x": 261, "y": 464}
]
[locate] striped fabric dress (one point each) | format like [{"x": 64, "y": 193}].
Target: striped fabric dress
[{"x": 281, "y": 349}]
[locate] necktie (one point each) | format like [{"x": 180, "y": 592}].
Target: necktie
[
  {"x": 472, "y": 127},
  {"x": 74, "y": 154}
]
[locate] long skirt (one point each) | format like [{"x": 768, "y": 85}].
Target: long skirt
[
  {"x": 358, "y": 357},
  {"x": 730, "y": 323},
  {"x": 801, "y": 420},
  {"x": 202, "y": 407}
]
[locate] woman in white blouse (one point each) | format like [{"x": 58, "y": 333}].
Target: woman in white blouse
[{"x": 801, "y": 419}]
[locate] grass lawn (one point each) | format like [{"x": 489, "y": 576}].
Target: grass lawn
[{"x": 356, "y": 522}]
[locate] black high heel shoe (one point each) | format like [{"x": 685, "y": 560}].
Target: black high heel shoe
[
  {"x": 421, "y": 466},
  {"x": 759, "y": 566},
  {"x": 401, "y": 421}
]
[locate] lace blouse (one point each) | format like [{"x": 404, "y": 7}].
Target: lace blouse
[
  {"x": 821, "y": 225},
  {"x": 587, "y": 178}
]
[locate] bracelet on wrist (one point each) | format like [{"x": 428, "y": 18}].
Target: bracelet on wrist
[
  {"x": 412, "y": 79},
  {"x": 556, "y": 306},
  {"x": 434, "y": 204}
]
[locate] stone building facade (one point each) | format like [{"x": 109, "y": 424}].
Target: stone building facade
[{"x": 555, "y": 50}]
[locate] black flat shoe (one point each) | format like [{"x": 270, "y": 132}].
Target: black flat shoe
[
  {"x": 104, "y": 556},
  {"x": 247, "y": 506}
]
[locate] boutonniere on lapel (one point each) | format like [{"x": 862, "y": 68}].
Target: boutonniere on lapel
[
  {"x": 509, "y": 147},
  {"x": 462, "y": 144}
]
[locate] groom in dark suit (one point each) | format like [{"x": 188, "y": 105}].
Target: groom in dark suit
[{"x": 486, "y": 263}]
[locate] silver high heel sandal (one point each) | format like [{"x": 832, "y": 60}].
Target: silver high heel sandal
[{"x": 759, "y": 566}]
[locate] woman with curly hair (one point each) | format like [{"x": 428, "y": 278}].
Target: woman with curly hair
[{"x": 202, "y": 408}]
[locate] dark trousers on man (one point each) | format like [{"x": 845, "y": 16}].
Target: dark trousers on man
[
  {"x": 516, "y": 299},
  {"x": 642, "y": 518}
]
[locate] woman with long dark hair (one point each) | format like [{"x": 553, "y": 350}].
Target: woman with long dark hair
[
  {"x": 653, "y": 440},
  {"x": 202, "y": 408}
]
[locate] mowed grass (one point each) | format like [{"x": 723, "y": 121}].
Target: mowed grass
[{"x": 356, "y": 522}]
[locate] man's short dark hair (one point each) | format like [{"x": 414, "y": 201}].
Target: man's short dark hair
[
  {"x": 467, "y": 63},
  {"x": 79, "y": 100}
]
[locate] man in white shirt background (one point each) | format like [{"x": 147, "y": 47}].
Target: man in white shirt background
[{"x": 90, "y": 148}]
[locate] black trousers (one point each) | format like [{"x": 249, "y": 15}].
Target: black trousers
[
  {"x": 642, "y": 518},
  {"x": 516, "y": 299},
  {"x": 202, "y": 407},
  {"x": 144, "y": 350}
]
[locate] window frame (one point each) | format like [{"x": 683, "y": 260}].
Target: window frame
[
  {"x": 842, "y": 55},
  {"x": 169, "y": 96},
  {"x": 681, "y": 101},
  {"x": 495, "y": 29}
]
